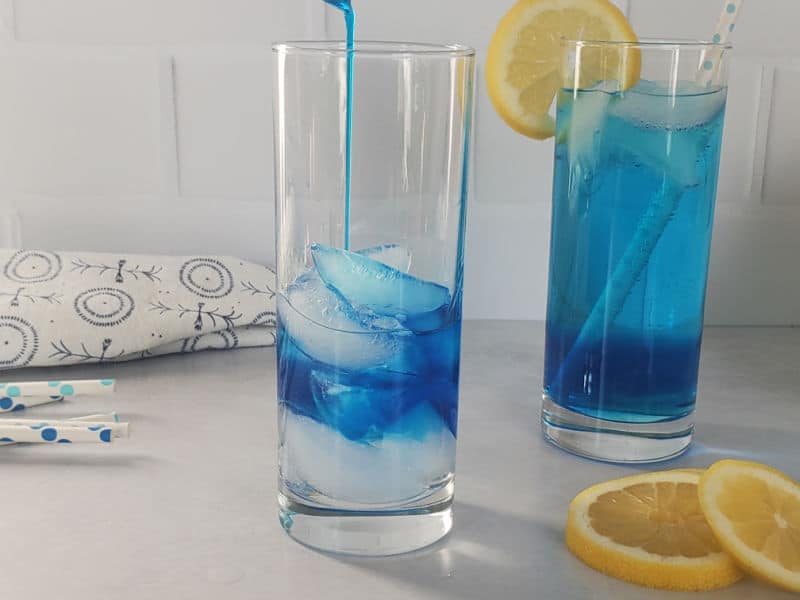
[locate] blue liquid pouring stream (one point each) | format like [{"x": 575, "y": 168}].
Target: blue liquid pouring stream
[{"x": 349, "y": 22}]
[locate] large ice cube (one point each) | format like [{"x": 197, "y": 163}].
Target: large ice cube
[
  {"x": 396, "y": 469},
  {"x": 581, "y": 120},
  {"x": 327, "y": 328},
  {"x": 642, "y": 118},
  {"x": 375, "y": 286},
  {"x": 652, "y": 104},
  {"x": 653, "y": 124},
  {"x": 392, "y": 255}
]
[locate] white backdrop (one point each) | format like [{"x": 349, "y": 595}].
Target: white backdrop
[{"x": 145, "y": 126}]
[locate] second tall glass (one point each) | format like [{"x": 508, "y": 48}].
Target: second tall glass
[
  {"x": 370, "y": 287},
  {"x": 635, "y": 181}
]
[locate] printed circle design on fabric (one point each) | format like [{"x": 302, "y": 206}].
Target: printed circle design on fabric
[
  {"x": 104, "y": 307},
  {"x": 218, "y": 340},
  {"x": 19, "y": 342},
  {"x": 33, "y": 266},
  {"x": 206, "y": 277},
  {"x": 264, "y": 319}
]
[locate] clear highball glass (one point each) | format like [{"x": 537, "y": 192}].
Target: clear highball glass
[{"x": 369, "y": 295}]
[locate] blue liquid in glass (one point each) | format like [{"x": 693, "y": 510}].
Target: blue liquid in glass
[
  {"x": 629, "y": 156},
  {"x": 350, "y": 24},
  {"x": 368, "y": 361}
]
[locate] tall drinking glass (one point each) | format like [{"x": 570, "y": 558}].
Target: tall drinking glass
[
  {"x": 370, "y": 287},
  {"x": 635, "y": 181}
]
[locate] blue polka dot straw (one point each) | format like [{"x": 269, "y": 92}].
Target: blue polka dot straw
[
  {"x": 9, "y": 404},
  {"x": 61, "y": 432},
  {"x": 112, "y": 418},
  {"x": 709, "y": 64},
  {"x": 85, "y": 387}
]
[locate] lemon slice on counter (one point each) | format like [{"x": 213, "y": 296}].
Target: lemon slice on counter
[
  {"x": 650, "y": 530},
  {"x": 754, "y": 511},
  {"x": 523, "y": 63},
  {"x": 690, "y": 470}
]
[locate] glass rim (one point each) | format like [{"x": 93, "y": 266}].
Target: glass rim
[
  {"x": 373, "y": 48},
  {"x": 666, "y": 44}
]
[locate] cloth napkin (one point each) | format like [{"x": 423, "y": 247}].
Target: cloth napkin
[{"x": 81, "y": 307}]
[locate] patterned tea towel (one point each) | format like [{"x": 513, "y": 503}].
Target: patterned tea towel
[{"x": 80, "y": 307}]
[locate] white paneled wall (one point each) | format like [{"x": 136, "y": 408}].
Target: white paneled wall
[
  {"x": 141, "y": 125},
  {"x": 145, "y": 126},
  {"x": 79, "y": 124},
  {"x": 225, "y": 129}
]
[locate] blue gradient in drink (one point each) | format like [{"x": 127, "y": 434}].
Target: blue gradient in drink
[
  {"x": 618, "y": 155},
  {"x": 368, "y": 360}
]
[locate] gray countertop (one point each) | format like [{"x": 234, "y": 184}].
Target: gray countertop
[{"x": 186, "y": 507}]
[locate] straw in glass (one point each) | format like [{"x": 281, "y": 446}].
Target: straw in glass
[{"x": 709, "y": 64}]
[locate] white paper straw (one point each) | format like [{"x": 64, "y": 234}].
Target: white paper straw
[
  {"x": 100, "y": 418},
  {"x": 84, "y": 387},
  {"x": 61, "y": 432},
  {"x": 709, "y": 63},
  {"x": 118, "y": 429},
  {"x": 55, "y": 435},
  {"x": 8, "y": 404},
  {"x": 111, "y": 417}
]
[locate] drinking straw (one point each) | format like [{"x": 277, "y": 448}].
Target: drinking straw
[
  {"x": 652, "y": 225},
  {"x": 56, "y": 435},
  {"x": 709, "y": 64},
  {"x": 101, "y": 418},
  {"x": 85, "y": 387},
  {"x": 111, "y": 417},
  {"x": 8, "y": 404},
  {"x": 116, "y": 429},
  {"x": 61, "y": 432}
]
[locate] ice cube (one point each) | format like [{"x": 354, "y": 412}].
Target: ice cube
[
  {"x": 327, "y": 328},
  {"x": 653, "y": 105},
  {"x": 375, "y": 286},
  {"x": 393, "y": 470},
  {"x": 640, "y": 117},
  {"x": 653, "y": 123},
  {"x": 362, "y": 413},
  {"x": 392, "y": 255},
  {"x": 584, "y": 125}
]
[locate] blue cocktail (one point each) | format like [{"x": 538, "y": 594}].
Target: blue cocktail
[{"x": 633, "y": 204}]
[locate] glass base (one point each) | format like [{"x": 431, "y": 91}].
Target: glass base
[
  {"x": 365, "y": 533},
  {"x": 613, "y": 441}
]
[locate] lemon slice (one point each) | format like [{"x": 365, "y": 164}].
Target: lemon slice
[
  {"x": 523, "y": 64},
  {"x": 648, "y": 529},
  {"x": 754, "y": 511},
  {"x": 690, "y": 470}
]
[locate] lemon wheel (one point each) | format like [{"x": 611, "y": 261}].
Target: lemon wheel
[
  {"x": 754, "y": 511},
  {"x": 523, "y": 63},
  {"x": 649, "y": 530}
]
